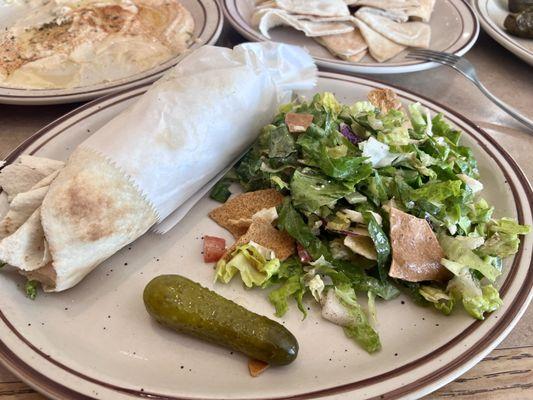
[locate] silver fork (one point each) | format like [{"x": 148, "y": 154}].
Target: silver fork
[{"x": 464, "y": 66}]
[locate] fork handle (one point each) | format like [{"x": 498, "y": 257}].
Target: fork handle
[{"x": 504, "y": 106}]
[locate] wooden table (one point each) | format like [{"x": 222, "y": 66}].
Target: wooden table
[{"x": 507, "y": 373}]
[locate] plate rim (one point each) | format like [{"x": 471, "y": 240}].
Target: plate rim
[
  {"x": 426, "y": 383},
  {"x": 495, "y": 32},
  {"x": 368, "y": 68},
  {"x": 9, "y": 95}
]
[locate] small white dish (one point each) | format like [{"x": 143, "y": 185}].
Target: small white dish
[
  {"x": 454, "y": 29},
  {"x": 491, "y": 14}
]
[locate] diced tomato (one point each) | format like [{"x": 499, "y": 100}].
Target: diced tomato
[
  {"x": 214, "y": 248},
  {"x": 303, "y": 255}
]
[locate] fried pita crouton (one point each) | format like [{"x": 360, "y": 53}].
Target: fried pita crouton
[
  {"x": 384, "y": 99},
  {"x": 416, "y": 252},
  {"x": 257, "y": 367},
  {"x": 298, "y": 122},
  {"x": 231, "y": 214},
  {"x": 263, "y": 233}
]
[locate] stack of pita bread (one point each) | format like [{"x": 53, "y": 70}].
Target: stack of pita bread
[{"x": 350, "y": 29}]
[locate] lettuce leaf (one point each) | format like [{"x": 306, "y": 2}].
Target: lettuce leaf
[
  {"x": 477, "y": 300},
  {"x": 381, "y": 242},
  {"x": 293, "y": 287},
  {"x": 311, "y": 190},
  {"x": 359, "y": 329},
  {"x": 438, "y": 298},
  {"x": 292, "y": 222},
  {"x": 456, "y": 251},
  {"x": 254, "y": 266}
]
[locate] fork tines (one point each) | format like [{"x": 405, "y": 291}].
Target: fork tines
[{"x": 432, "y": 55}]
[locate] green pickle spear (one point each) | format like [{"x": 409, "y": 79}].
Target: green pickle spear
[{"x": 187, "y": 307}]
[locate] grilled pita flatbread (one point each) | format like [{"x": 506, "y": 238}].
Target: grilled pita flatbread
[
  {"x": 349, "y": 46},
  {"x": 24, "y": 173},
  {"x": 413, "y": 34},
  {"x": 270, "y": 18},
  {"x": 384, "y": 4},
  {"x": 396, "y": 15},
  {"x": 379, "y": 47},
  {"x": 321, "y": 8},
  {"x": 90, "y": 212},
  {"x": 27, "y": 247},
  {"x": 423, "y": 12},
  {"x": 23, "y": 205}
]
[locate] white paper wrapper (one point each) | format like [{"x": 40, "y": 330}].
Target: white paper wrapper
[{"x": 200, "y": 117}]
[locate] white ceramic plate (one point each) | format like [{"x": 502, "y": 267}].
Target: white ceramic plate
[
  {"x": 454, "y": 29},
  {"x": 491, "y": 14},
  {"x": 97, "y": 341},
  {"x": 208, "y": 19}
]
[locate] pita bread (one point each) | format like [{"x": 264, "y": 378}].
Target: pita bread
[
  {"x": 24, "y": 204},
  {"x": 422, "y": 12},
  {"x": 349, "y": 46},
  {"x": 416, "y": 252},
  {"x": 21, "y": 208},
  {"x": 393, "y": 14},
  {"x": 270, "y": 18},
  {"x": 236, "y": 214},
  {"x": 26, "y": 248},
  {"x": 321, "y": 8},
  {"x": 384, "y": 4},
  {"x": 24, "y": 173},
  {"x": 90, "y": 212},
  {"x": 379, "y": 47},
  {"x": 413, "y": 34}
]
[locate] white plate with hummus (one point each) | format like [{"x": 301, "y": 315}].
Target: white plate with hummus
[
  {"x": 97, "y": 341},
  {"x": 492, "y": 14},
  {"x": 69, "y": 51},
  {"x": 369, "y": 36}
]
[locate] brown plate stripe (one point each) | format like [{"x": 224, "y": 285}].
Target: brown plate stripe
[
  {"x": 240, "y": 23},
  {"x": 47, "y": 385},
  {"x": 136, "y": 82}
]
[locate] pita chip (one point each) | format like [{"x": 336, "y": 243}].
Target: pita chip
[
  {"x": 270, "y": 18},
  {"x": 321, "y": 8},
  {"x": 384, "y": 99},
  {"x": 349, "y": 46},
  {"x": 379, "y": 47},
  {"x": 416, "y": 252},
  {"x": 412, "y": 34},
  {"x": 257, "y": 367},
  {"x": 231, "y": 214},
  {"x": 297, "y": 123},
  {"x": 263, "y": 233}
]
